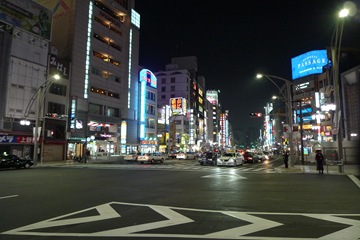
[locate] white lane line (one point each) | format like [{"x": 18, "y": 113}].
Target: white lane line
[
  {"x": 355, "y": 180},
  {"x": 11, "y": 196}
]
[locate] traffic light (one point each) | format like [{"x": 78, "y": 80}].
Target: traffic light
[{"x": 255, "y": 115}]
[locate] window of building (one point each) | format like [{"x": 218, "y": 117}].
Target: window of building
[
  {"x": 150, "y": 109},
  {"x": 56, "y": 108},
  {"x": 163, "y": 80},
  {"x": 172, "y": 95},
  {"x": 150, "y": 123},
  {"x": 163, "y": 96},
  {"x": 151, "y": 95},
  {"x": 106, "y": 58},
  {"x": 57, "y": 89},
  {"x": 95, "y": 108},
  {"x": 172, "y": 88},
  {"x": 105, "y": 75},
  {"x": 172, "y": 80},
  {"x": 114, "y": 95},
  {"x": 98, "y": 90},
  {"x": 112, "y": 112},
  {"x": 108, "y": 25},
  {"x": 163, "y": 89}
]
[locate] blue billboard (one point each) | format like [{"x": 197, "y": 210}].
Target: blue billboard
[{"x": 308, "y": 63}]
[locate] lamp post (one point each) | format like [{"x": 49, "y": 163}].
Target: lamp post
[
  {"x": 335, "y": 55},
  {"x": 288, "y": 104},
  {"x": 39, "y": 97}
]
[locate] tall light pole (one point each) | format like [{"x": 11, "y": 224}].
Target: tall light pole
[
  {"x": 335, "y": 55},
  {"x": 288, "y": 103},
  {"x": 39, "y": 97}
]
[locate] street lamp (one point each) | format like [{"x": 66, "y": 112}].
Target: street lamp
[
  {"x": 335, "y": 55},
  {"x": 288, "y": 103},
  {"x": 39, "y": 97}
]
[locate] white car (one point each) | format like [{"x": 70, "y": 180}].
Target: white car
[
  {"x": 151, "y": 158},
  {"x": 181, "y": 155},
  {"x": 191, "y": 155},
  {"x": 132, "y": 157},
  {"x": 230, "y": 159}
]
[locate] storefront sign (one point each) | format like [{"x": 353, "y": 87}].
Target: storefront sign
[
  {"x": 15, "y": 139},
  {"x": 147, "y": 142}
]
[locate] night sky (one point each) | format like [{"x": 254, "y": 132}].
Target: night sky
[{"x": 233, "y": 40}]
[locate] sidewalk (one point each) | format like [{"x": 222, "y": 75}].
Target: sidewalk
[{"x": 328, "y": 169}]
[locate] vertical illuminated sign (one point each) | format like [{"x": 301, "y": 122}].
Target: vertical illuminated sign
[
  {"x": 88, "y": 44},
  {"x": 146, "y": 77},
  {"x": 123, "y": 132},
  {"x": 142, "y": 109},
  {"x": 73, "y": 113}
]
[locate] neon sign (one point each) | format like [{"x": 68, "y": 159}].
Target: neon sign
[
  {"x": 148, "y": 77},
  {"x": 308, "y": 63},
  {"x": 178, "y": 105}
]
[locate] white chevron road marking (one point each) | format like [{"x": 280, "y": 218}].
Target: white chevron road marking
[{"x": 173, "y": 218}]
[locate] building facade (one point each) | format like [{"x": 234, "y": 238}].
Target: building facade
[{"x": 94, "y": 107}]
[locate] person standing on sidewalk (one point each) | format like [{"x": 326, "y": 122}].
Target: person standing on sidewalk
[
  {"x": 319, "y": 157},
  {"x": 286, "y": 158}
]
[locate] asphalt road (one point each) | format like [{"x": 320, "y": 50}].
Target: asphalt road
[{"x": 151, "y": 203}]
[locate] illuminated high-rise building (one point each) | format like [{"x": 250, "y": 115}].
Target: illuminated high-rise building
[{"x": 96, "y": 43}]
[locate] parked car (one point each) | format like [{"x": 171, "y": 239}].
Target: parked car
[
  {"x": 13, "y": 161},
  {"x": 181, "y": 155},
  {"x": 151, "y": 158},
  {"x": 132, "y": 157},
  {"x": 208, "y": 158},
  {"x": 230, "y": 159}
]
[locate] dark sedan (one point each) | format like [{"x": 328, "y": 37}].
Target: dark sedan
[
  {"x": 208, "y": 158},
  {"x": 13, "y": 161}
]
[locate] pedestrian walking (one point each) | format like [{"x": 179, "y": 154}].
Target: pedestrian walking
[
  {"x": 286, "y": 158},
  {"x": 319, "y": 158}
]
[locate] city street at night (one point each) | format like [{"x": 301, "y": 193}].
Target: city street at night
[{"x": 207, "y": 203}]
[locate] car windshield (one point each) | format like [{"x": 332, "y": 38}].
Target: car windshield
[{"x": 228, "y": 155}]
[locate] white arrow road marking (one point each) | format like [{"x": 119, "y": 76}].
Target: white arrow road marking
[
  {"x": 174, "y": 218},
  {"x": 11, "y": 196},
  {"x": 352, "y": 232},
  {"x": 256, "y": 224},
  {"x": 229, "y": 176},
  {"x": 105, "y": 212}
]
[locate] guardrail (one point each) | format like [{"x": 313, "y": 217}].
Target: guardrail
[{"x": 338, "y": 163}]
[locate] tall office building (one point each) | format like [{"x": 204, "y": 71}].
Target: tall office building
[
  {"x": 95, "y": 44},
  {"x": 181, "y": 80}
]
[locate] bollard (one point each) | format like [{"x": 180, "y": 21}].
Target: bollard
[{"x": 341, "y": 166}]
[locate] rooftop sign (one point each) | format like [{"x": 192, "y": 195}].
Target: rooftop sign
[{"x": 308, "y": 63}]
